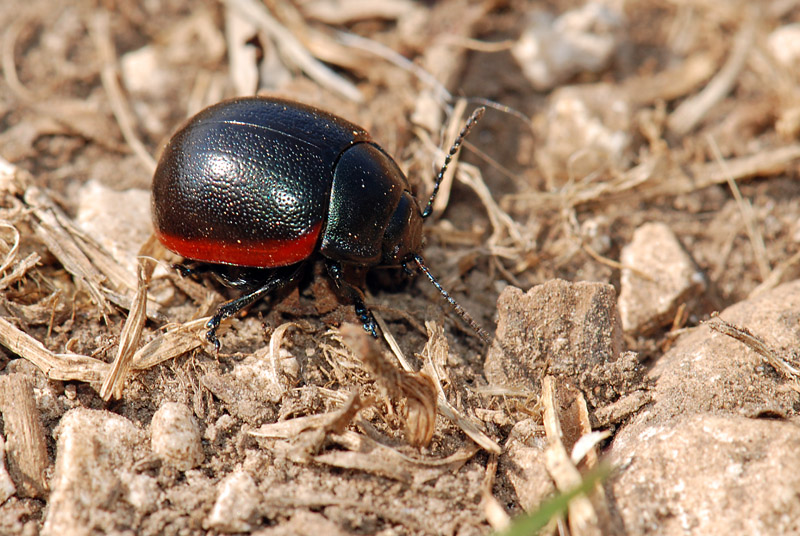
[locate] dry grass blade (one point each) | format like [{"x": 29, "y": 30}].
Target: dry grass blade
[
  {"x": 19, "y": 270},
  {"x": 369, "y": 455},
  {"x": 776, "y": 276},
  {"x": 784, "y": 365},
  {"x": 496, "y": 515},
  {"x": 380, "y": 50},
  {"x": 453, "y": 128},
  {"x": 656, "y": 177},
  {"x": 360, "y": 461},
  {"x": 746, "y": 209},
  {"x": 348, "y": 11},
  {"x": 274, "y": 352},
  {"x": 12, "y": 251},
  {"x": 54, "y": 366},
  {"x": 120, "y": 278},
  {"x": 502, "y": 224},
  {"x": 81, "y": 256},
  {"x": 10, "y": 36},
  {"x": 319, "y": 41},
  {"x": 694, "y": 109},
  {"x": 292, "y": 427},
  {"x": 335, "y": 422},
  {"x": 416, "y": 388},
  {"x": 293, "y": 51},
  {"x": 101, "y": 33},
  {"x": 583, "y": 518},
  {"x": 174, "y": 342},
  {"x": 309, "y": 432},
  {"x": 132, "y": 330},
  {"x": 66, "y": 250},
  {"x": 672, "y": 83}
]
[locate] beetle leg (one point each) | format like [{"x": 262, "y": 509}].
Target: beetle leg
[
  {"x": 193, "y": 270},
  {"x": 355, "y": 295},
  {"x": 225, "y": 275},
  {"x": 276, "y": 280}
]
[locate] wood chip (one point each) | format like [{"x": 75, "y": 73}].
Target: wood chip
[{"x": 26, "y": 446}]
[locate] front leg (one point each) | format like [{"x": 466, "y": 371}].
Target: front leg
[
  {"x": 277, "y": 279},
  {"x": 354, "y": 294}
]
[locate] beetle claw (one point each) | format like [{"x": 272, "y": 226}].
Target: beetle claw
[{"x": 211, "y": 336}]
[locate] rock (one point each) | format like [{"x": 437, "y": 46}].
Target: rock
[
  {"x": 697, "y": 474},
  {"x": 120, "y": 221},
  {"x": 699, "y": 454},
  {"x": 95, "y": 456},
  {"x": 305, "y": 522},
  {"x": 784, "y": 43},
  {"x": 236, "y": 506},
  {"x": 707, "y": 372},
  {"x": 655, "y": 252},
  {"x": 175, "y": 436},
  {"x": 587, "y": 129},
  {"x": 552, "y": 50},
  {"x": 523, "y": 462},
  {"x": 566, "y": 329}
]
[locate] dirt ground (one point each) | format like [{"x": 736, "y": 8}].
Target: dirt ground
[{"x": 635, "y": 172}]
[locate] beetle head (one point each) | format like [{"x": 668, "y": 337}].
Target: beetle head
[{"x": 403, "y": 236}]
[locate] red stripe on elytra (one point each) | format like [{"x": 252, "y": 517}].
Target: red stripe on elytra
[{"x": 261, "y": 254}]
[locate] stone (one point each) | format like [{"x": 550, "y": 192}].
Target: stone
[
  {"x": 236, "y": 506},
  {"x": 175, "y": 436},
  {"x": 697, "y": 474},
  {"x": 655, "y": 251},
  {"x": 95, "y": 456},
  {"x": 564, "y": 329}
]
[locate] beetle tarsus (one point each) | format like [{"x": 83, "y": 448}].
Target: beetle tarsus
[
  {"x": 211, "y": 334},
  {"x": 367, "y": 320}
]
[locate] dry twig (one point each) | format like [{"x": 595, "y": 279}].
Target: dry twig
[
  {"x": 785, "y": 365},
  {"x": 694, "y": 109},
  {"x": 415, "y": 387},
  {"x": 469, "y": 427},
  {"x": 293, "y": 51},
  {"x": 101, "y": 34}
]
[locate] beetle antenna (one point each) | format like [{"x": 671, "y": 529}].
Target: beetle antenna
[
  {"x": 474, "y": 118},
  {"x": 453, "y": 303}
]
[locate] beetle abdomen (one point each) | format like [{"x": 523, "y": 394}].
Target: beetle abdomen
[{"x": 248, "y": 181}]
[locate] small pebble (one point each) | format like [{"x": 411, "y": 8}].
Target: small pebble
[
  {"x": 552, "y": 49},
  {"x": 645, "y": 304},
  {"x": 236, "y": 504},
  {"x": 175, "y": 436},
  {"x": 95, "y": 454}
]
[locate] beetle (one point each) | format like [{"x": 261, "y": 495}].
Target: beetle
[{"x": 249, "y": 189}]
